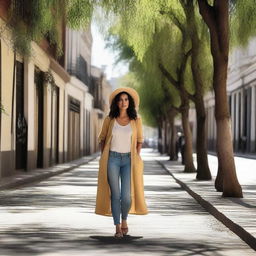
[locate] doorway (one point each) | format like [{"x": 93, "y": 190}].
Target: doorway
[{"x": 21, "y": 123}]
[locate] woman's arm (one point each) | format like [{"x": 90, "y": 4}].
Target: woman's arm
[
  {"x": 102, "y": 144},
  {"x": 139, "y": 145}
]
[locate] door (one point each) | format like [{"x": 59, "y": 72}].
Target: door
[
  {"x": 21, "y": 124},
  {"x": 39, "y": 117},
  {"x": 73, "y": 129}
]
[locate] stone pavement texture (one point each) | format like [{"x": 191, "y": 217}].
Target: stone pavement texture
[
  {"x": 23, "y": 177},
  {"x": 238, "y": 214},
  {"x": 56, "y": 217}
]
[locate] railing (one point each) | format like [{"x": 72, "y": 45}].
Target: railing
[{"x": 79, "y": 70}]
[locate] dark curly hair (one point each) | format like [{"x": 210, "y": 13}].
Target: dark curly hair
[{"x": 114, "y": 109}]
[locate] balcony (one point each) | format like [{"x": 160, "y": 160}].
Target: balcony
[{"x": 79, "y": 70}]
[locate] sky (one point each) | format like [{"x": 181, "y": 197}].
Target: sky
[{"x": 102, "y": 56}]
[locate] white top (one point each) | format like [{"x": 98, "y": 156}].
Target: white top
[{"x": 121, "y": 140}]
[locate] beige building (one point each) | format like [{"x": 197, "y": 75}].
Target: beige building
[
  {"x": 32, "y": 94},
  {"x": 241, "y": 90},
  {"x": 241, "y": 93},
  {"x": 101, "y": 90},
  {"x": 49, "y": 115},
  {"x": 79, "y": 108}
]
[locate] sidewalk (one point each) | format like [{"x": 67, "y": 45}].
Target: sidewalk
[
  {"x": 238, "y": 214},
  {"x": 57, "y": 217},
  {"x": 25, "y": 177}
]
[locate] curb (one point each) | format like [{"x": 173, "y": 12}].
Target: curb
[
  {"x": 41, "y": 176},
  {"x": 235, "y": 228},
  {"x": 236, "y": 154}
]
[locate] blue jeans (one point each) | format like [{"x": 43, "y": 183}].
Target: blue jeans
[{"x": 119, "y": 165}]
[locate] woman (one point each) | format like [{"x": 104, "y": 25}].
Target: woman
[{"x": 121, "y": 139}]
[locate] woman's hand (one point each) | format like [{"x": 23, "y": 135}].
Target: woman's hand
[
  {"x": 139, "y": 145},
  {"x": 102, "y": 144}
]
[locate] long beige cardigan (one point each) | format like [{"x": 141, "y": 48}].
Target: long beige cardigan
[{"x": 103, "y": 203}]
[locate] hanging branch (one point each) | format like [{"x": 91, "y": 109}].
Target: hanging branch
[
  {"x": 174, "y": 19},
  {"x": 168, "y": 75}
]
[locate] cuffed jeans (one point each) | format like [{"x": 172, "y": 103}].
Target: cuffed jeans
[{"x": 119, "y": 165}]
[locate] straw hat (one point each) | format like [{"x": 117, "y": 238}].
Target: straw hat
[{"x": 130, "y": 91}]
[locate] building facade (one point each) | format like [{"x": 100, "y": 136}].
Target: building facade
[
  {"x": 100, "y": 89},
  {"x": 32, "y": 93},
  {"x": 241, "y": 90},
  {"x": 79, "y": 105},
  {"x": 49, "y": 109}
]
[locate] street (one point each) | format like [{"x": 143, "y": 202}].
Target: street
[
  {"x": 174, "y": 79},
  {"x": 56, "y": 217}
]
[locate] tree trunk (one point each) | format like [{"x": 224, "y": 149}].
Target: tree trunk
[
  {"x": 227, "y": 170},
  {"x": 219, "y": 179},
  {"x": 160, "y": 148},
  {"x": 216, "y": 17},
  {"x": 172, "y": 141},
  {"x": 189, "y": 164},
  {"x": 166, "y": 136},
  {"x": 203, "y": 170},
  {"x": 184, "y": 108}
]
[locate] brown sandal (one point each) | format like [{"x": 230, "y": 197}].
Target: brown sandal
[{"x": 125, "y": 231}]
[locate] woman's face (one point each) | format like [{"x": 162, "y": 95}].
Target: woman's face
[{"x": 123, "y": 102}]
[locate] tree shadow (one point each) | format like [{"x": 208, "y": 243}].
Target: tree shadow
[
  {"x": 37, "y": 240},
  {"x": 73, "y": 190},
  {"x": 247, "y": 202}
]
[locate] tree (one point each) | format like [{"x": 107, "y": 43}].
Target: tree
[
  {"x": 171, "y": 113},
  {"x": 216, "y": 17},
  {"x": 179, "y": 16},
  {"x": 41, "y": 19},
  {"x": 189, "y": 25},
  {"x": 157, "y": 100},
  {"x": 198, "y": 59},
  {"x": 155, "y": 60}
]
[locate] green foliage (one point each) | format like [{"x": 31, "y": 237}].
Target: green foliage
[
  {"x": 2, "y": 109},
  {"x": 79, "y": 13},
  {"x": 149, "y": 97},
  {"x": 116, "y": 43},
  {"x": 145, "y": 46},
  {"x": 21, "y": 43},
  {"x": 243, "y": 22},
  {"x": 152, "y": 98},
  {"x": 189, "y": 82},
  {"x": 138, "y": 21},
  {"x": 44, "y": 19},
  {"x": 206, "y": 65},
  {"x": 146, "y": 78}
]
